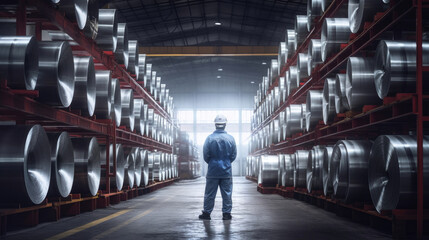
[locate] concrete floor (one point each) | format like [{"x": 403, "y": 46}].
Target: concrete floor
[{"x": 172, "y": 213}]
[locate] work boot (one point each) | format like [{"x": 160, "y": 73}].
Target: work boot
[
  {"x": 205, "y": 216},
  {"x": 226, "y": 216}
]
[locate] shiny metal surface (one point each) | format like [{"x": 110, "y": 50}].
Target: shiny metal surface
[
  {"x": 314, "y": 9},
  {"x": 138, "y": 116},
  {"x": 116, "y": 101},
  {"x": 55, "y": 81},
  {"x": 107, "y": 36},
  {"x": 116, "y": 182},
  {"x": 87, "y": 164},
  {"x": 314, "y": 109},
  {"x": 300, "y": 172},
  {"x": 360, "y": 87},
  {"x": 85, "y": 85},
  {"x": 151, "y": 156},
  {"x": 19, "y": 61},
  {"x": 351, "y": 175},
  {"x": 133, "y": 57},
  {"x": 103, "y": 98},
  {"x": 157, "y": 167},
  {"x": 121, "y": 54},
  {"x": 127, "y": 114},
  {"x": 327, "y": 180},
  {"x": 326, "y": 4},
  {"x": 282, "y": 56},
  {"x": 303, "y": 123},
  {"x": 138, "y": 165},
  {"x": 328, "y": 100},
  {"x": 393, "y": 172},
  {"x": 80, "y": 11},
  {"x": 335, "y": 31},
  {"x": 144, "y": 167},
  {"x": 290, "y": 40},
  {"x": 292, "y": 81},
  {"x": 302, "y": 66},
  {"x": 130, "y": 170},
  {"x": 361, "y": 11},
  {"x": 315, "y": 169},
  {"x": 301, "y": 29},
  {"x": 55, "y": 35},
  {"x": 341, "y": 104},
  {"x": 395, "y": 67},
  {"x": 288, "y": 174},
  {"x": 62, "y": 164},
  {"x": 268, "y": 169},
  {"x": 274, "y": 70},
  {"x": 293, "y": 119},
  {"x": 25, "y": 164},
  {"x": 142, "y": 70},
  {"x": 281, "y": 168},
  {"x": 314, "y": 55}
]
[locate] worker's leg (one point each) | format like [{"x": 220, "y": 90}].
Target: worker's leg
[
  {"x": 210, "y": 194},
  {"x": 226, "y": 191}
]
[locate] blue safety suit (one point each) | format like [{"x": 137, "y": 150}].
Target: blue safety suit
[{"x": 219, "y": 152}]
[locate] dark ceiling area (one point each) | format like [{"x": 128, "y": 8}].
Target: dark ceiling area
[{"x": 192, "y": 22}]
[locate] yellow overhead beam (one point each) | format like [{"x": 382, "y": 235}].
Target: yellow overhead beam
[{"x": 209, "y": 51}]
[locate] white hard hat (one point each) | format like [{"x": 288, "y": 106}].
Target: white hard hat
[{"x": 220, "y": 119}]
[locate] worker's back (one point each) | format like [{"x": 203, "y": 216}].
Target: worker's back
[{"x": 219, "y": 152}]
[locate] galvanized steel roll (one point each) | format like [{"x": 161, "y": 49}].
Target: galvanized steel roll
[
  {"x": 315, "y": 169},
  {"x": 116, "y": 182},
  {"x": 107, "y": 36},
  {"x": 288, "y": 174},
  {"x": 281, "y": 168},
  {"x": 116, "y": 101},
  {"x": 85, "y": 86},
  {"x": 395, "y": 67},
  {"x": 55, "y": 35},
  {"x": 314, "y": 10},
  {"x": 127, "y": 113},
  {"x": 275, "y": 129},
  {"x": 282, "y": 56},
  {"x": 55, "y": 81},
  {"x": 360, "y": 87},
  {"x": 361, "y": 11},
  {"x": 84, "y": 12},
  {"x": 302, "y": 66},
  {"x": 303, "y": 123},
  {"x": 130, "y": 170},
  {"x": 327, "y": 180},
  {"x": 393, "y": 172},
  {"x": 25, "y": 166},
  {"x": 290, "y": 42},
  {"x": 328, "y": 100},
  {"x": 19, "y": 61},
  {"x": 157, "y": 167},
  {"x": 268, "y": 169},
  {"x": 138, "y": 116},
  {"x": 103, "y": 98},
  {"x": 138, "y": 165},
  {"x": 293, "y": 119},
  {"x": 341, "y": 104},
  {"x": 314, "y": 55},
  {"x": 121, "y": 54},
  {"x": 274, "y": 70},
  {"x": 335, "y": 31},
  {"x": 300, "y": 172},
  {"x": 87, "y": 170},
  {"x": 133, "y": 57},
  {"x": 292, "y": 81},
  {"x": 350, "y": 179},
  {"x": 314, "y": 109},
  {"x": 142, "y": 70},
  {"x": 150, "y": 161},
  {"x": 300, "y": 29},
  {"x": 145, "y": 167},
  {"x": 62, "y": 164}
]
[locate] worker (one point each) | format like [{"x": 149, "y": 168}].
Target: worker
[{"x": 219, "y": 152}]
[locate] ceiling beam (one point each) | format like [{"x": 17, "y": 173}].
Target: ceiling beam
[{"x": 209, "y": 51}]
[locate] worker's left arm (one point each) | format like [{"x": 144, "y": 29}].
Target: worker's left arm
[{"x": 234, "y": 150}]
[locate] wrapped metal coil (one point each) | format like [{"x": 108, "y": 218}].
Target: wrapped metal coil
[
  {"x": 315, "y": 169},
  {"x": 133, "y": 57},
  {"x": 142, "y": 70},
  {"x": 393, "y": 172},
  {"x": 275, "y": 131},
  {"x": 314, "y": 55},
  {"x": 290, "y": 42},
  {"x": 19, "y": 61},
  {"x": 121, "y": 54},
  {"x": 335, "y": 31},
  {"x": 360, "y": 87},
  {"x": 150, "y": 161},
  {"x": 130, "y": 170},
  {"x": 361, "y": 11},
  {"x": 85, "y": 86},
  {"x": 56, "y": 73},
  {"x": 288, "y": 174},
  {"x": 314, "y": 10},
  {"x": 292, "y": 81},
  {"x": 282, "y": 58},
  {"x": 118, "y": 181},
  {"x": 138, "y": 165},
  {"x": 327, "y": 181},
  {"x": 103, "y": 98},
  {"x": 293, "y": 119},
  {"x": 350, "y": 179},
  {"x": 314, "y": 109},
  {"x": 268, "y": 169},
  {"x": 300, "y": 172},
  {"x": 341, "y": 104},
  {"x": 84, "y": 12},
  {"x": 157, "y": 167},
  {"x": 395, "y": 67},
  {"x": 87, "y": 170},
  {"x": 302, "y": 66},
  {"x": 116, "y": 101},
  {"x": 281, "y": 168},
  {"x": 274, "y": 70},
  {"x": 300, "y": 29},
  {"x": 127, "y": 114},
  {"x": 328, "y": 100},
  {"x": 303, "y": 123},
  {"x": 145, "y": 167},
  {"x": 282, "y": 89},
  {"x": 138, "y": 116},
  {"x": 62, "y": 164},
  {"x": 25, "y": 162},
  {"x": 107, "y": 29}
]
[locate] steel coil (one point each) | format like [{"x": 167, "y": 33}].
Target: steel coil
[
  {"x": 393, "y": 172},
  {"x": 327, "y": 180},
  {"x": 314, "y": 10},
  {"x": 328, "y": 100},
  {"x": 142, "y": 70},
  {"x": 138, "y": 116},
  {"x": 85, "y": 86},
  {"x": 315, "y": 169},
  {"x": 350, "y": 179},
  {"x": 268, "y": 169},
  {"x": 282, "y": 58},
  {"x": 133, "y": 57},
  {"x": 302, "y": 66},
  {"x": 116, "y": 101},
  {"x": 138, "y": 165},
  {"x": 55, "y": 35},
  {"x": 395, "y": 67},
  {"x": 288, "y": 174},
  {"x": 62, "y": 164},
  {"x": 335, "y": 31},
  {"x": 116, "y": 182},
  {"x": 150, "y": 166},
  {"x": 103, "y": 98},
  {"x": 275, "y": 129},
  {"x": 84, "y": 12},
  {"x": 341, "y": 104},
  {"x": 130, "y": 170},
  {"x": 281, "y": 168},
  {"x": 361, "y": 11},
  {"x": 121, "y": 54},
  {"x": 300, "y": 172},
  {"x": 293, "y": 119},
  {"x": 19, "y": 62},
  {"x": 274, "y": 70},
  {"x": 303, "y": 123},
  {"x": 56, "y": 73},
  {"x": 292, "y": 81},
  {"x": 107, "y": 36},
  {"x": 157, "y": 167},
  {"x": 360, "y": 87},
  {"x": 87, "y": 170},
  {"x": 127, "y": 113},
  {"x": 314, "y": 109},
  {"x": 290, "y": 40},
  {"x": 314, "y": 55},
  {"x": 300, "y": 29},
  {"x": 25, "y": 167}
]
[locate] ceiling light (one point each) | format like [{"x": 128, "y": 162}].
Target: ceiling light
[
  {"x": 218, "y": 76},
  {"x": 218, "y": 23},
  {"x": 264, "y": 63},
  {"x": 252, "y": 82},
  {"x": 220, "y": 69}
]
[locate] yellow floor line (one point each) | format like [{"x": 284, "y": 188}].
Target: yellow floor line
[{"x": 86, "y": 226}]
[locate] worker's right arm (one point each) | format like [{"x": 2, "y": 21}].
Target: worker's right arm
[{"x": 206, "y": 150}]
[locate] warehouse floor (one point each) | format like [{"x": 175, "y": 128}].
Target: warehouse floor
[{"x": 172, "y": 213}]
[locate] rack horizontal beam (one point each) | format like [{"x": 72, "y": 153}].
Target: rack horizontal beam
[{"x": 208, "y": 51}]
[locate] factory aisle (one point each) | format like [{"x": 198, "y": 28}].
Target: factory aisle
[{"x": 172, "y": 213}]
